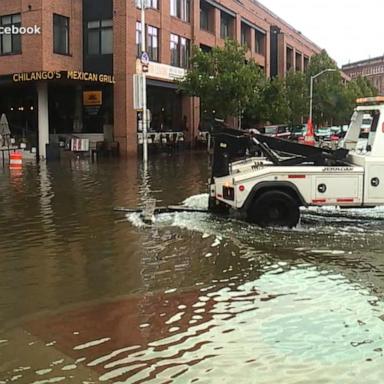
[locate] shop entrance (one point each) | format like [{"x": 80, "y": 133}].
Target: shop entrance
[
  {"x": 165, "y": 106},
  {"x": 20, "y": 107}
]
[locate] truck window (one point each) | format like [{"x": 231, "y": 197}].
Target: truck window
[{"x": 375, "y": 121}]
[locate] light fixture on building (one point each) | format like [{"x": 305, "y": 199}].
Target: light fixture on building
[{"x": 32, "y": 108}]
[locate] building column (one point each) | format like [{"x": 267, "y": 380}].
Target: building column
[
  {"x": 43, "y": 118},
  {"x": 237, "y": 31},
  {"x": 124, "y": 63},
  {"x": 195, "y": 22},
  {"x": 191, "y": 109},
  {"x": 217, "y": 22},
  {"x": 78, "y": 120},
  {"x": 252, "y": 33}
]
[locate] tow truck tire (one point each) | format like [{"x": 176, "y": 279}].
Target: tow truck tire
[{"x": 276, "y": 209}]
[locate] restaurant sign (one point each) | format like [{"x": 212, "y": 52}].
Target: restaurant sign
[
  {"x": 62, "y": 75},
  {"x": 162, "y": 71}
]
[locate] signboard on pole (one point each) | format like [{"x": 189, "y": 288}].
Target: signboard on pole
[{"x": 138, "y": 94}]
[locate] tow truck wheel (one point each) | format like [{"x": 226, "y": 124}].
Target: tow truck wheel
[{"x": 276, "y": 209}]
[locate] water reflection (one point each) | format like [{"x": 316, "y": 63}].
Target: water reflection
[{"x": 87, "y": 296}]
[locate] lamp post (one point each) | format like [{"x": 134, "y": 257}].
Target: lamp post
[
  {"x": 311, "y": 89},
  {"x": 144, "y": 84}
]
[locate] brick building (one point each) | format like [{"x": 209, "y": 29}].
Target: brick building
[
  {"x": 372, "y": 69},
  {"x": 76, "y": 76}
]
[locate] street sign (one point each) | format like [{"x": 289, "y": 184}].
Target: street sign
[{"x": 144, "y": 58}]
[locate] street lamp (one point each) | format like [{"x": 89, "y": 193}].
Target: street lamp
[
  {"x": 311, "y": 89},
  {"x": 144, "y": 83}
]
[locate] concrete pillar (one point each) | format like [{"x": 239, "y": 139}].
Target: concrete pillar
[
  {"x": 43, "y": 118},
  {"x": 78, "y": 118}
]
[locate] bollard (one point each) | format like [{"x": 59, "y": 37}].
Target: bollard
[{"x": 15, "y": 161}]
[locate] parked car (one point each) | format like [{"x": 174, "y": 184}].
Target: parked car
[
  {"x": 298, "y": 132},
  {"x": 280, "y": 131}
]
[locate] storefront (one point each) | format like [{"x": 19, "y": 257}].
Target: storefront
[
  {"x": 45, "y": 107},
  {"x": 171, "y": 118}
]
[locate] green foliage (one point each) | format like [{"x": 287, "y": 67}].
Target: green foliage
[
  {"x": 223, "y": 79},
  {"x": 230, "y": 85},
  {"x": 297, "y": 96}
]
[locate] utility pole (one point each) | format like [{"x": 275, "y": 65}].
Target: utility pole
[{"x": 144, "y": 83}]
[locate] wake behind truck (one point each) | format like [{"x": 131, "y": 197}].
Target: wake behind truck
[{"x": 266, "y": 180}]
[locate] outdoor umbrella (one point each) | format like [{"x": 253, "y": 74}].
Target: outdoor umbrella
[{"x": 5, "y": 132}]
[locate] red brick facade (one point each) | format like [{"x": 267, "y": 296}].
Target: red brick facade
[
  {"x": 372, "y": 69},
  {"x": 37, "y": 51}
]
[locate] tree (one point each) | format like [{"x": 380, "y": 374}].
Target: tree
[
  {"x": 328, "y": 89},
  {"x": 223, "y": 79},
  {"x": 297, "y": 96},
  {"x": 275, "y": 102}
]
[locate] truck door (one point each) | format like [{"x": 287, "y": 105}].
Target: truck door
[
  {"x": 374, "y": 183},
  {"x": 338, "y": 189}
]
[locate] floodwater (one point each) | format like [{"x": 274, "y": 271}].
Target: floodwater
[{"x": 88, "y": 295}]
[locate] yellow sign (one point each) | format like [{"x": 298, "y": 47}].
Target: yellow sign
[
  {"x": 63, "y": 75},
  {"x": 91, "y": 98}
]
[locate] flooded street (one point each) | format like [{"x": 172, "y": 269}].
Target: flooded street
[{"x": 89, "y": 295}]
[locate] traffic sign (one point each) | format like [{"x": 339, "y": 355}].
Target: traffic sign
[{"x": 144, "y": 58}]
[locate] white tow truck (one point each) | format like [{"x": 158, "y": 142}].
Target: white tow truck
[{"x": 267, "y": 180}]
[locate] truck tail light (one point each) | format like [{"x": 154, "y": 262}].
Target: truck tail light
[{"x": 229, "y": 193}]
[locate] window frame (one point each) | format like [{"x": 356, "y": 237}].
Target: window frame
[
  {"x": 100, "y": 28},
  {"x": 259, "y": 42},
  {"x": 66, "y": 27},
  {"x": 182, "y": 49},
  {"x": 225, "y": 17},
  {"x": 204, "y": 10},
  {"x": 13, "y": 37},
  {"x": 181, "y": 9},
  {"x": 150, "y": 37}
]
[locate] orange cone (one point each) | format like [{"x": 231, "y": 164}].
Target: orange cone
[{"x": 309, "y": 137}]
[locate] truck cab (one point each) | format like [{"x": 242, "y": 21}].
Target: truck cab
[{"x": 266, "y": 180}]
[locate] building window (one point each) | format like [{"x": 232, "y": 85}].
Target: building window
[
  {"x": 245, "y": 36},
  {"x": 100, "y": 37},
  {"x": 181, "y": 9},
  {"x": 60, "y": 34},
  {"x": 205, "y": 23},
  {"x": 298, "y": 61},
  {"x": 225, "y": 26},
  {"x": 154, "y": 4},
  {"x": 10, "y": 44},
  {"x": 306, "y": 63},
  {"x": 205, "y": 48},
  {"x": 180, "y": 51},
  {"x": 153, "y": 43},
  {"x": 289, "y": 60},
  {"x": 259, "y": 42},
  {"x": 138, "y": 38}
]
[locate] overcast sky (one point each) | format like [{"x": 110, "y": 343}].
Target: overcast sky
[{"x": 349, "y": 30}]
